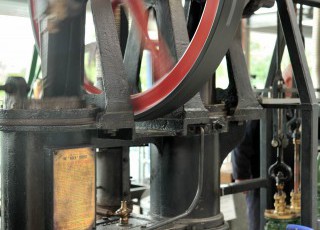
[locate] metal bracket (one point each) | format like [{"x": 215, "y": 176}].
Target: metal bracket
[{"x": 117, "y": 113}]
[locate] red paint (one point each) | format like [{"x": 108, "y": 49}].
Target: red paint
[
  {"x": 170, "y": 81},
  {"x": 90, "y": 88},
  {"x": 143, "y": 101},
  {"x": 162, "y": 61}
]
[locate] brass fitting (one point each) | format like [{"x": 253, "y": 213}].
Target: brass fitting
[
  {"x": 280, "y": 202},
  {"x": 123, "y": 212},
  {"x": 295, "y": 202},
  {"x": 281, "y": 211}
]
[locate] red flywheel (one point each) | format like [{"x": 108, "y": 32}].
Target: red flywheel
[{"x": 175, "y": 84}]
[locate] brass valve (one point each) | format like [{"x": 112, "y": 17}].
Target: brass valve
[
  {"x": 295, "y": 202},
  {"x": 280, "y": 200},
  {"x": 123, "y": 212},
  {"x": 281, "y": 210}
]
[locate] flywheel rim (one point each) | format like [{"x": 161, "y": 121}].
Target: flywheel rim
[{"x": 218, "y": 24}]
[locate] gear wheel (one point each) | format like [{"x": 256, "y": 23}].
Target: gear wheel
[{"x": 254, "y": 5}]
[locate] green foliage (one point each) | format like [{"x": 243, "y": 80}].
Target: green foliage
[
  {"x": 90, "y": 68},
  {"x": 260, "y": 59}
]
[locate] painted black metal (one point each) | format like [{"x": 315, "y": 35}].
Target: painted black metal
[
  {"x": 126, "y": 181},
  {"x": 49, "y": 114},
  {"x": 254, "y": 5},
  {"x": 313, "y": 3},
  {"x": 173, "y": 170},
  {"x": 309, "y": 169},
  {"x": 69, "y": 117},
  {"x": 117, "y": 111},
  {"x": 287, "y": 106},
  {"x": 246, "y": 102},
  {"x": 230, "y": 139},
  {"x": 187, "y": 5},
  {"x": 309, "y": 111},
  {"x": 172, "y": 29},
  {"x": 276, "y": 54},
  {"x": 15, "y": 88},
  {"x": 175, "y": 34},
  {"x": 132, "y": 59},
  {"x": 26, "y": 203},
  {"x": 296, "y": 52},
  {"x": 208, "y": 92},
  {"x": 195, "y": 11},
  {"x": 198, "y": 193},
  {"x": 124, "y": 30},
  {"x": 113, "y": 180},
  {"x": 218, "y": 43},
  {"x": 32, "y": 130},
  {"x": 64, "y": 48},
  {"x": 266, "y": 135},
  {"x": 243, "y": 186}
]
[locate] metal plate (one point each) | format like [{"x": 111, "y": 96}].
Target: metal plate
[{"x": 74, "y": 189}]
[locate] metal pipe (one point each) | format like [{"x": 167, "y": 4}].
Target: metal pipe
[
  {"x": 198, "y": 193},
  {"x": 296, "y": 142}
]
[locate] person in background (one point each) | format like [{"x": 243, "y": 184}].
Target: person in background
[
  {"x": 246, "y": 161},
  {"x": 246, "y": 165}
]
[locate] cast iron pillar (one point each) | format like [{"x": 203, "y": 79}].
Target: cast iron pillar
[
  {"x": 48, "y": 167},
  {"x": 113, "y": 179},
  {"x": 174, "y": 180}
]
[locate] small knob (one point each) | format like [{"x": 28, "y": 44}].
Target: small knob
[{"x": 274, "y": 143}]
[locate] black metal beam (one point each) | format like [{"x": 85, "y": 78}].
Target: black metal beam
[
  {"x": 238, "y": 73},
  {"x": 64, "y": 48},
  {"x": 309, "y": 170},
  {"x": 312, "y": 3},
  {"x": 309, "y": 117},
  {"x": 117, "y": 112},
  {"x": 132, "y": 58},
  {"x": 296, "y": 51},
  {"x": 273, "y": 64},
  {"x": 266, "y": 134},
  {"x": 243, "y": 186},
  {"x": 171, "y": 27}
]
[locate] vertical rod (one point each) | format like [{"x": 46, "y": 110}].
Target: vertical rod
[
  {"x": 296, "y": 52},
  {"x": 296, "y": 142},
  {"x": 309, "y": 167},
  {"x": 309, "y": 116},
  {"x": 63, "y": 57},
  {"x": 279, "y": 32},
  {"x": 266, "y": 134}
]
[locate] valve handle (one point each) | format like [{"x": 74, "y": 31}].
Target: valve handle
[{"x": 280, "y": 171}]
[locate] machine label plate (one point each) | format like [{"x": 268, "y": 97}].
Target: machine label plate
[{"x": 74, "y": 189}]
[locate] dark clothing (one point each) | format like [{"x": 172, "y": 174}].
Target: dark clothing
[
  {"x": 253, "y": 209},
  {"x": 246, "y": 156},
  {"x": 246, "y": 165}
]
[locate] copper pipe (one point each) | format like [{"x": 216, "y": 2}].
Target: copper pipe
[{"x": 296, "y": 142}]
